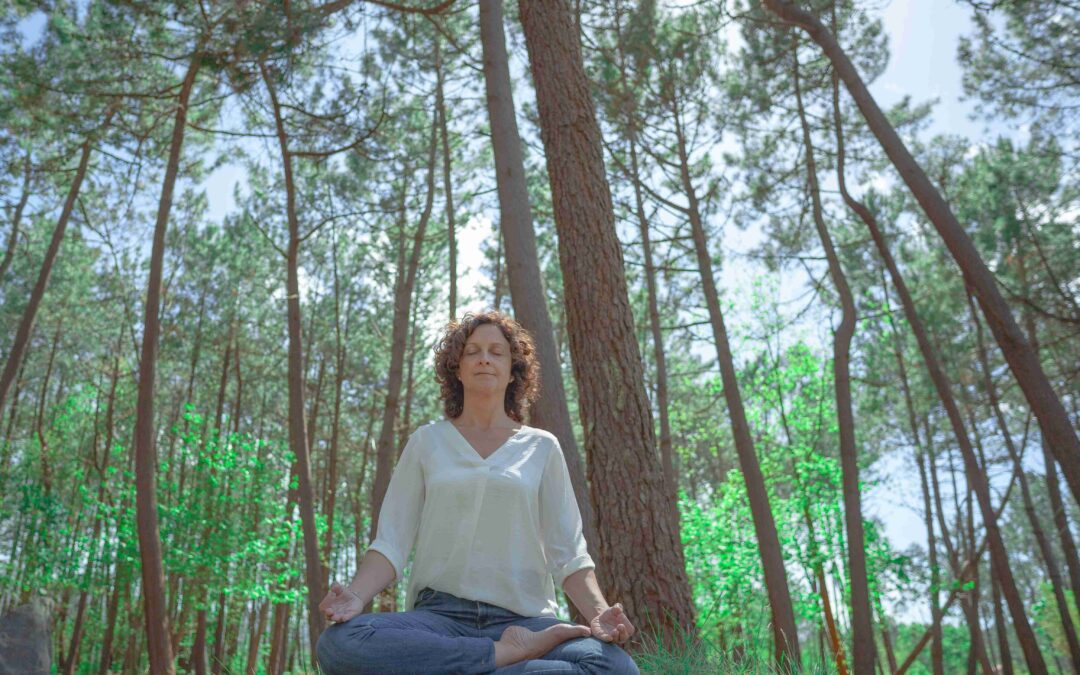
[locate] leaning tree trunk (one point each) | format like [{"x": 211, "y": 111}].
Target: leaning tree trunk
[
  {"x": 1053, "y": 571},
  {"x": 1023, "y": 361},
  {"x": 153, "y": 579},
  {"x": 641, "y": 556},
  {"x": 862, "y": 653},
  {"x": 298, "y": 441},
  {"x": 26, "y": 323},
  {"x": 13, "y": 237},
  {"x": 1053, "y": 488},
  {"x": 785, "y": 633},
  {"x": 522, "y": 262},
  {"x": 944, "y": 390}
]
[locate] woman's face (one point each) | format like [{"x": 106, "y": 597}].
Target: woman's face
[{"x": 485, "y": 362}]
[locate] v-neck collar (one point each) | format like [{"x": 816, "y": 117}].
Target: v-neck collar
[{"x": 465, "y": 446}]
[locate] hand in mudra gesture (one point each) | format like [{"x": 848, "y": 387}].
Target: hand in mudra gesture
[
  {"x": 612, "y": 625},
  {"x": 341, "y": 604}
]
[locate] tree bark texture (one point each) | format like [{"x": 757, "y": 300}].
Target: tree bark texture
[
  {"x": 641, "y": 557},
  {"x": 550, "y": 411}
]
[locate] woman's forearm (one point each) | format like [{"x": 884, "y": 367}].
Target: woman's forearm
[
  {"x": 374, "y": 574},
  {"x": 584, "y": 591}
]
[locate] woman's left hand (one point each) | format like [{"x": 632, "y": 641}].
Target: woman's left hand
[{"x": 612, "y": 625}]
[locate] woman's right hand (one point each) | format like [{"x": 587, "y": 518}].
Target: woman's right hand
[{"x": 341, "y": 604}]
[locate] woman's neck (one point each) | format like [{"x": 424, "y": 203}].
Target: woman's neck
[{"x": 483, "y": 413}]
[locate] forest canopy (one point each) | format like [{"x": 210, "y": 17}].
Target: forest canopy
[{"x": 777, "y": 320}]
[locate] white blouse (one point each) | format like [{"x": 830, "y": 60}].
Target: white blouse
[{"x": 502, "y": 530}]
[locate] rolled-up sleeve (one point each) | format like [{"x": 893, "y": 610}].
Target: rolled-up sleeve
[
  {"x": 399, "y": 516},
  {"x": 560, "y": 521}
]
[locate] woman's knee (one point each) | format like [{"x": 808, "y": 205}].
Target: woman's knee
[
  {"x": 339, "y": 647},
  {"x": 610, "y": 659}
]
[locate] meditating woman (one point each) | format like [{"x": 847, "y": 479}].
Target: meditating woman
[{"x": 488, "y": 503}]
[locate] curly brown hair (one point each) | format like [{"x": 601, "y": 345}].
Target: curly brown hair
[{"x": 524, "y": 387}]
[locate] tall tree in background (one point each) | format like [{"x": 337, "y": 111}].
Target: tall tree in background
[
  {"x": 641, "y": 559},
  {"x": 153, "y": 581},
  {"x": 1024, "y": 363},
  {"x": 862, "y": 653},
  {"x": 522, "y": 261},
  {"x": 681, "y": 75},
  {"x": 404, "y": 283}
]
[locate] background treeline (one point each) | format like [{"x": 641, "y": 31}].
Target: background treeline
[{"x": 753, "y": 292}]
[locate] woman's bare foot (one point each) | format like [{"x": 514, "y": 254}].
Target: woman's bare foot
[{"x": 518, "y": 643}]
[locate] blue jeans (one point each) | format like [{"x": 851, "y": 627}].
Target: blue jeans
[{"x": 447, "y": 634}]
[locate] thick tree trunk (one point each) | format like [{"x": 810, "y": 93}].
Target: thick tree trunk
[
  {"x": 641, "y": 558},
  {"x": 550, "y": 412},
  {"x": 863, "y": 653},
  {"x": 1023, "y": 361},
  {"x": 298, "y": 440},
  {"x": 403, "y": 295},
  {"x": 153, "y": 580}
]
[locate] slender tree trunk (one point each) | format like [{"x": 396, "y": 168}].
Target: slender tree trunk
[
  {"x": 936, "y": 654},
  {"x": 785, "y": 634},
  {"x": 330, "y": 495},
  {"x": 448, "y": 186},
  {"x": 403, "y": 293},
  {"x": 886, "y": 639},
  {"x": 13, "y": 238},
  {"x": 550, "y": 412},
  {"x": 217, "y": 659},
  {"x": 239, "y": 384},
  {"x": 298, "y": 440},
  {"x": 976, "y": 476},
  {"x": 26, "y": 324},
  {"x": 257, "y": 628},
  {"x": 153, "y": 581},
  {"x": 863, "y": 653},
  {"x": 278, "y": 636},
  {"x": 1053, "y": 488},
  {"x": 1005, "y": 661},
  {"x": 1042, "y": 540},
  {"x": 667, "y": 452},
  {"x": 39, "y": 421},
  {"x": 111, "y": 612},
  {"x": 223, "y": 383},
  {"x": 1023, "y": 361},
  {"x": 198, "y": 647},
  {"x": 644, "y": 568}
]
